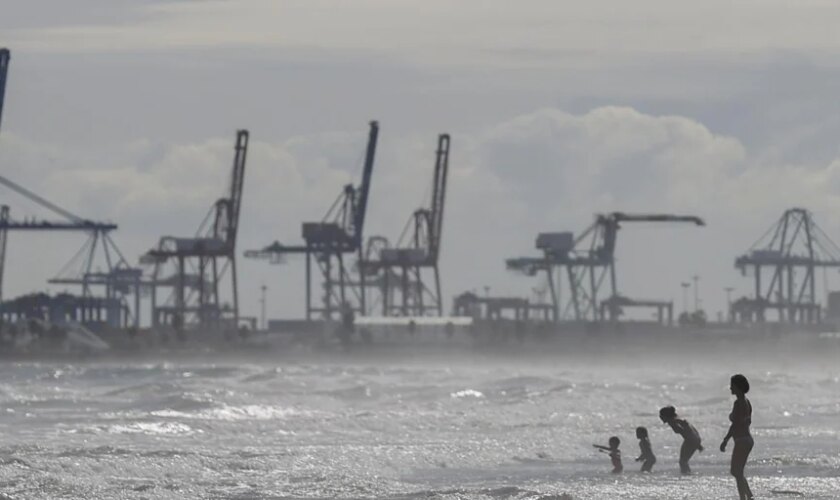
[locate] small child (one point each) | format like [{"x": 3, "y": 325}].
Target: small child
[
  {"x": 647, "y": 456},
  {"x": 615, "y": 454},
  {"x": 691, "y": 438}
]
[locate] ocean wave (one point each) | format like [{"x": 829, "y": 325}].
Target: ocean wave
[
  {"x": 151, "y": 428},
  {"x": 467, "y": 393},
  {"x": 183, "y": 402},
  {"x": 153, "y": 388},
  {"x": 522, "y": 381},
  {"x": 263, "y": 376},
  {"x": 211, "y": 371},
  {"x": 97, "y": 451},
  {"x": 500, "y": 492},
  {"x": 362, "y": 391},
  {"x": 235, "y": 413}
]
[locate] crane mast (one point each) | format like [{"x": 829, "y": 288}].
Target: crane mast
[
  {"x": 227, "y": 209},
  {"x": 438, "y": 196},
  {"x": 5, "y": 58},
  {"x": 360, "y": 205}
]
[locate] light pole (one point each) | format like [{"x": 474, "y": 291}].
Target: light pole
[
  {"x": 696, "y": 292},
  {"x": 263, "y": 288},
  {"x": 728, "y": 291},
  {"x": 685, "y": 296}
]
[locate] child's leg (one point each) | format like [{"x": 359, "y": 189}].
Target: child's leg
[{"x": 647, "y": 466}]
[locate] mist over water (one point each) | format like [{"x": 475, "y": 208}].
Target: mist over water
[{"x": 417, "y": 421}]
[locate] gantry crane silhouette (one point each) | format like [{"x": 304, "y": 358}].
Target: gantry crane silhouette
[
  {"x": 200, "y": 264},
  {"x": 783, "y": 263},
  {"x": 80, "y": 270},
  {"x": 327, "y": 242},
  {"x": 588, "y": 261},
  {"x": 400, "y": 270}
]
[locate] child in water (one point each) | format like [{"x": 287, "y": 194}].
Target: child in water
[
  {"x": 691, "y": 438},
  {"x": 647, "y": 456},
  {"x": 615, "y": 454}
]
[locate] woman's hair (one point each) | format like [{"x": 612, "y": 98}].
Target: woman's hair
[
  {"x": 641, "y": 432},
  {"x": 741, "y": 383},
  {"x": 614, "y": 442},
  {"x": 667, "y": 413}
]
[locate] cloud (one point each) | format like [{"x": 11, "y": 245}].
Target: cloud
[{"x": 469, "y": 33}]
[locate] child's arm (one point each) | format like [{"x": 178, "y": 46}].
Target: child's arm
[
  {"x": 602, "y": 448},
  {"x": 647, "y": 452}
]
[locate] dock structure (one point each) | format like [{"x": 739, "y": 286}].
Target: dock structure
[
  {"x": 469, "y": 304},
  {"x": 92, "y": 311}
]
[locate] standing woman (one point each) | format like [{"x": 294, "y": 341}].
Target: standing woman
[{"x": 741, "y": 418}]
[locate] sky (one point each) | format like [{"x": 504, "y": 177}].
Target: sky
[{"x": 126, "y": 110}]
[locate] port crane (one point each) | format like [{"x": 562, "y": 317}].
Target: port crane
[
  {"x": 327, "y": 242},
  {"x": 783, "y": 263},
  {"x": 98, "y": 238},
  {"x": 202, "y": 262},
  {"x": 588, "y": 261},
  {"x": 402, "y": 268},
  {"x": 98, "y": 232}
]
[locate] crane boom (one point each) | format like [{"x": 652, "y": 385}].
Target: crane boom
[
  {"x": 439, "y": 196},
  {"x": 4, "y": 234},
  {"x": 5, "y": 57},
  {"x": 227, "y": 209},
  {"x": 237, "y": 182},
  {"x": 40, "y": 201},
  {"x": 362, "y": 201},
  {"x": 623, "y": 217}
]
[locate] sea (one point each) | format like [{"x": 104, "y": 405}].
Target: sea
[{"x": 412, "y": 421}]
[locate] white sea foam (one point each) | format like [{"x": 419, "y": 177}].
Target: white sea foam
[
  {"x": 163, "y": 428},
  {"x": 467, "y": 393},
  {"x": 233, "y": 413}
]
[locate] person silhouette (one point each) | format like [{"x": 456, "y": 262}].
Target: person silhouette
[
  {"x": 647, "y": 457},
  {"x": 614, "y": 453},
  {"x": 691, "y": 438},
  {"x": 739, "y": 431}
]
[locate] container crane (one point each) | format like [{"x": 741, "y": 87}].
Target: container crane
[
  {"x": 783, "y": 263},
  {"x": 98, "y": 232},
  {"x": 420, "y": 252},
  {"x": 327, "y": 242},
  {"x": 98, "y": 237},
  {"x": 211, "y": 255},
  {"x": 587, "y": 261}
]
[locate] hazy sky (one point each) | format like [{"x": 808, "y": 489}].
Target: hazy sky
[{"x": 126, "y": 110}]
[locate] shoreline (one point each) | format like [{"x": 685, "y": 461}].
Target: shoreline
[{"x": 422, "y": 345}]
